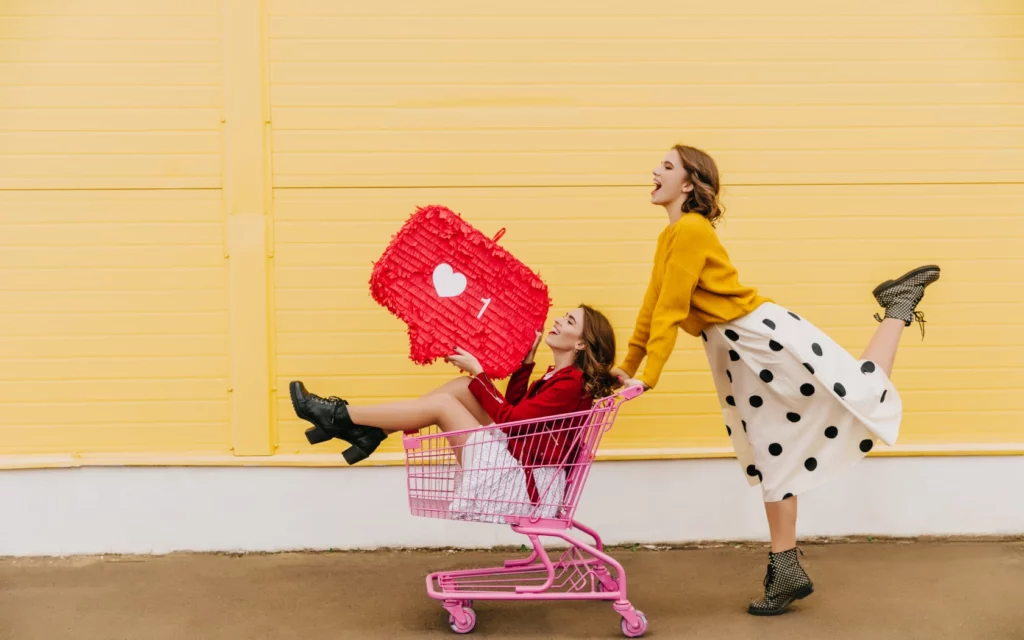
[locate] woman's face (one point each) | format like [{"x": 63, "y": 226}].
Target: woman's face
[
  {"x": 670, "y": 180},
  {"x": 567, "y": 332}
]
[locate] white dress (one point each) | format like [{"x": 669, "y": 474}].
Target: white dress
[
  {"x": 492, "y": 483},
  {"x": 798, "y": 407}
]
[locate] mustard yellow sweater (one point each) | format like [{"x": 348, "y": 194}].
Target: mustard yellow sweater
[{"x": 693, "y": 284}]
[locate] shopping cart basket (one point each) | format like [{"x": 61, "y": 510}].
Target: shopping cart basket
[{"x": 529, "y": 475}]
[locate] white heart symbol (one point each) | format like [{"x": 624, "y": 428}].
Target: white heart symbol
[{"x": 448, "y": 283}]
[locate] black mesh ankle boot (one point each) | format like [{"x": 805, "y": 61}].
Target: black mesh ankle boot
[
  {"x": 785, "y": 582},
  {"x": 331, "y": 420},
  {"x": 901, "y": 296}
]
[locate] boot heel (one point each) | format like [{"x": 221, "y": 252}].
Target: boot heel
[
  {"x": 316, "y": 435},
  {"x": 354, "y": 454}
]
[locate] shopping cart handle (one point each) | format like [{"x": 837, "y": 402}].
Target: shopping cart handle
[{"x": 628, "y": 393}]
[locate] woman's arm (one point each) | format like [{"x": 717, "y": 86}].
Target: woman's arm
[
  {"x": 519, "y": 383},
  {"x": 684, "y": 263},
  {"x": 559, "y": 396},
  {"x": 642, "y": 330}
]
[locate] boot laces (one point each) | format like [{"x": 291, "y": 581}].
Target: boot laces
[
  {"x": 327, "y": 402},
  {"x": 919, "y": 318},
  {"x": 769, "y": 577}
]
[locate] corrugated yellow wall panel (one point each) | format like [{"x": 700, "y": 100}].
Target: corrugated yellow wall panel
[
  {"x": 113, "y": 322},
  {"x": 113, "y": 279},
  {"x": 110, "y": 94},
  {"x": 855, "y": 140},
  {"x": 571, "y": 94},
  {"x": 813, "y": 248}
]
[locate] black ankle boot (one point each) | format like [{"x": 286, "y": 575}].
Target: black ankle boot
[
  {"x": 785, "y": 582},
  {"x": 364, "y": 440},
  {"x": 901, "y": 296},
  {"x": 331, "y": 420},
  {"x": 322, "y": 412}
]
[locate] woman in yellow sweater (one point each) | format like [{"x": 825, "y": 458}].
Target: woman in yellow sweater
[{"x": 798, "y": 408}]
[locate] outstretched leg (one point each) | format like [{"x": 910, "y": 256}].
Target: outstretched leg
[
  {"x": 883, "y": 345},
  {"x": 441, "y": 409},
  {"x": 458, "y": 388}
]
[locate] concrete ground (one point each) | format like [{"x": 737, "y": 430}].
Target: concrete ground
[{"x": 875, "y": 591}]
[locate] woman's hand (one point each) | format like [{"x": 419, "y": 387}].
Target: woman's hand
[
  {"x": 620, "y": 375},
  {"x": 465, "y": 361},
  {"x": 633, "y": 382},
  {"x": 533, "y": 350},
  {"x": 626, "y": 381}
]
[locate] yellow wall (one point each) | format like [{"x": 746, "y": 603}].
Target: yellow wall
[{"x": 192, "y": 192}]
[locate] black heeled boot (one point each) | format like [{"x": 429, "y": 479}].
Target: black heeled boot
[
  {"x": 330, "y": 419},
  {"x": 785, "y": 582}
]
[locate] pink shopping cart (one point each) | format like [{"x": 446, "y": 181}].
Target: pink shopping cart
[{"x": 529, "y": 475}]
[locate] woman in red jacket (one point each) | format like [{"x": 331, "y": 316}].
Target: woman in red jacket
[{"x": 583, "y": 345}]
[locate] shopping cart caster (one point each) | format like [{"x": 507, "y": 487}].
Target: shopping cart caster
[
  {"x": 470, "y": 622},
  {"x": 637, "y": 631}
]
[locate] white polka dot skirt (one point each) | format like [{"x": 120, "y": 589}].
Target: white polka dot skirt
[{"x": 798, "y": 407}]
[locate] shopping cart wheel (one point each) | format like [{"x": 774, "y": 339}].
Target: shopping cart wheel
[
  {"x": 637, "y": 631},
  {"x": 470, "y": 623}
]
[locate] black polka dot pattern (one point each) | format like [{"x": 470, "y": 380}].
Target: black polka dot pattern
[{"x": 765, "y": 386}]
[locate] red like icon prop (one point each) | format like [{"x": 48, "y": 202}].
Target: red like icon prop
[{"x": 454, "y": 287}]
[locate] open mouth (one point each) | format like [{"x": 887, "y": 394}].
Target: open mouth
[{"x": 657, "y": 185}]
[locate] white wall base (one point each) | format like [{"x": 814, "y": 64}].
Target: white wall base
[{"x": 126, "y": 510}]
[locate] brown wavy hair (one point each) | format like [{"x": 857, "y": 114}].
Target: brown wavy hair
[
  {"x": 598, "y": 358},
  {"x": 703, "y": 174}
]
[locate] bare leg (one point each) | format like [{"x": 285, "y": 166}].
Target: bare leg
[
  {"x": 882, "y": 348},
  {"x": 458, "y": 388},
  {"x": 782, "y": 523},
  {"x": 441, "y": 409}
]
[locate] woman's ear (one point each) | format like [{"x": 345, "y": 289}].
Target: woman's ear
[
  {"x": 580, "y": 346},
  {"x": 687, "y": 186}
]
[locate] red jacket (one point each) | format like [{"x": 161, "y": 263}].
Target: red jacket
[{"x": 536, "y": 444}]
